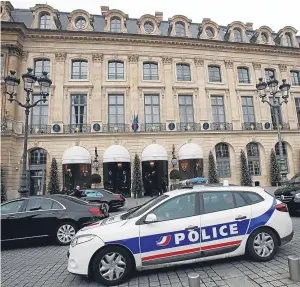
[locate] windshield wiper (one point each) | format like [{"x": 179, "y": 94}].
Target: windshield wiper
[{"x": 130, "y": 211}]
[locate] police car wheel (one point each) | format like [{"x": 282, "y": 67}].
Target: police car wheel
[
  {"x": 112, "y": 265},
  {"x": 262, "y": 244}
]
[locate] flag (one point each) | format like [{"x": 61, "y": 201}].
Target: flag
[{"x": 135, "y": 122}]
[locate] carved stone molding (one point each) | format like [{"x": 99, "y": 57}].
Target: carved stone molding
[
  {"x": 103, "y": 92},
  {"x": 256, "y": 66},
  {"x": 282, "y": 67},
  {"x": 153, "y": 140},
  {"x": 60, "y": 57},
  {"x": 36, "y": 143},
  {"x": 196, "y": 92},
  {"x": 97, "y": 58},
  {"x": 79, "y": 13},
  {"x": 162, "y": 92},
  {"x": 167, "y": 60},
  {"x": 15, "y": 51},
  {"x": 133, "y": 58},
  {"x": 140, "y": 92},
  {"x": 199, "y": 62},
  {"x": 76, "y": 142},
  {"x": 25, "y": 55},
  {"x": 116, "y": 141},
  {"x": 228, "y": 64},
  {"x": 6, "y": 9}
]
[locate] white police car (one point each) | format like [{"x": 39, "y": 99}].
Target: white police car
[{"x": 179, "y": 227}]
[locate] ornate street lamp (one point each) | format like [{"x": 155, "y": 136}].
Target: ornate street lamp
[
  {"x": 276, "y": 104},
  {"x": 174, "y": 160},
  {"x": 11, "y": 85},
  {"x": 95, "y": 161}
]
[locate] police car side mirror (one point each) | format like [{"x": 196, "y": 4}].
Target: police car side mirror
[{"x": 150, "y": 218}]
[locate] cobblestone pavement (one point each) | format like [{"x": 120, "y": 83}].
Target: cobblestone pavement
[{"x": 42, "y": 264}]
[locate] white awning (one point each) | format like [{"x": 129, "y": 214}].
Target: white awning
[
  {"x": 116, "y": 153},
  {"x": 190, "y": 151},
  {"x": 76, "y": 154},
  {"x": 154, "y": 152}
]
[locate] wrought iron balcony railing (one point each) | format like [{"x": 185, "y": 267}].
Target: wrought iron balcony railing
[
  {"x": 252, "y": 126},
  {"x": 152, "y": 128},
  {"x": 283, "y": 126},
  {"x": 221, "y": 126},
  {"x": 116, "y": 128},
  {"x": 77, "y": 128},
  {"x": 38, "y": 129},
  {"x": 189, "y": 127}
]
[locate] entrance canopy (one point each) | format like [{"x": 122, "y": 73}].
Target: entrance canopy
[
  {"x": 116, "y": 153},
  {"x": 190, "y": 151},
  {"x": 154, "y": 152},
  {"x": 76, "y": 154}
]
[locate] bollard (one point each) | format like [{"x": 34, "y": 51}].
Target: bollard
[
  {"x": 294, "y": 268},
  {"x": 194, "y": 280}
]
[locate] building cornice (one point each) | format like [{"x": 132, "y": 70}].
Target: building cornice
[{"x": 149, "y": 40}]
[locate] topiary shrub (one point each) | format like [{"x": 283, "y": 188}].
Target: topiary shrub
[
  {"x": 175, "y": 174},
  {"x": 96, "y": 178}
]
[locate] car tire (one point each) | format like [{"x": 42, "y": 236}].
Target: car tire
[
  {"x": 119, "y": 258},
  {"x": 106, "y": 206},
  {"x": 65, "y": 232},
  {"x": 262, "y": 244}
]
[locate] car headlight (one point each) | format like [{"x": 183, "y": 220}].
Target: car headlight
[
  {"x": 297, "y": 196},
  {"x": 82, "y": 239}
]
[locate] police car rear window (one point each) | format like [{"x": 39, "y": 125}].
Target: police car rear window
[{"x": 252, "y": 197}]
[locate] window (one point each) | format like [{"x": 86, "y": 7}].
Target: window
[
  {"x": 180, "y": 29},
  {"x": 223, "y": 160},
  {"x": 116, "y": 109},
  {"x": 11, "y": 207},
  {"x": 93, "y": 193},
  {"x": 150, "y": 71},
  {"x": 115, "y": 25},
  {"x": 218, "y": 110},
  {"x": 39, "y": 115},
  {"x": 253, "y": 158},
  {"x": 45, "y": 21},
  {"x": 115, "y": 70},
  {"x": 183, "y": 72},
  {"x": 264, "y": 37},
  {"x": 57, "y": 205},
  {"x": 288, "y": 38},
  {"x": 41, "y": 66},
  {"x": 152, "y": 114},
  {"x": 39, "y": 204},
  {"x": 248, "y": 110},
  {"x": 217, "y": 201},
  {"x": 243, "y": 74},
  {"x": 38, "y": 156},
  {"x": 186, "y": 110},
  {"x": 210, "y": 32},
  {"x": 252, "y": 197},
  {"x": 149, "y": 27},
  {"x": 239, "y": 200},
  {"x": 80, "y": 23},
  {"x": 285, "y": 155},
  {"x": 269, "y": 73},
  {"x": 79, "y": 69},
  {"x": 78, "y": 111},
  {"x": 273, "y": 112},
  {"x": 295, "y": 75},
  {"x": 214, "y": 74},
  {"x": 177, "y": 207},
  {"x": 237, "y": 35},
  {"x": 297, "y": 103}
]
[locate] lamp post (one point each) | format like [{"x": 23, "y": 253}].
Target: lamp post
[
  {"x": 11, "y": 84},
  {"x": 95, "y": 161},
  {"x": 276, "y": 104},
  {"x": 174, "y": 160}
]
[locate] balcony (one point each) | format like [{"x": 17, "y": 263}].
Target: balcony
[
  {"x": 252, "y": 126},
  {"x": 221, "y": 126},
  {"x": 79, "y": 128},
  {"x": 38, "y": 129},
  {"x": 284, "y": 126},
  {"x": 152, "y": 128},
  {"x": 189, "y": 127},
  {"x": 116, "y": 128}
]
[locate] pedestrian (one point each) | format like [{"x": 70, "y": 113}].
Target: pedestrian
[{"x": 77, "y": 192}]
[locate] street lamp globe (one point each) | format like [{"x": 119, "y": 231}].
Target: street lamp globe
[
  {"x": 261, "y": 87},
  {"x": 96, "y": 164},
  {"x": 29, "y": 79},
  {"x": 273, "y": 84},
  {"x": 284, "y": 88},
  {"x": 11, "y": 83},
  {"x": 45, "y": 84}
]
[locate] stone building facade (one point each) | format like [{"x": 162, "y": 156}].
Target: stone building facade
[{"x": 192, "y": 86}]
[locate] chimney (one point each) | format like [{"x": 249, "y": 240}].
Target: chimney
[
  {"x": 104, "y": 10},
  {"x": 249, "y": 26},
  {"x": 159, "y": 16}
]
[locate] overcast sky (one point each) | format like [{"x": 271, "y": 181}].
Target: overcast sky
[{"x": 273, "y": 13}]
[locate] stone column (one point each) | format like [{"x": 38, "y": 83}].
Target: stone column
[
  {"x": 96, "y": 109},
  {"x": 233, "y": 96},
  {"x": 169, "y": 112},
  {"x": 132, "y": 96},
  {"x": 261, "y": 112},
  {"x": 201, "y": 103}
]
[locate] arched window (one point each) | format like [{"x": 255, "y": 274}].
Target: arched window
[
  {"x": 214, "y": 74},
  {"x": 288, "y": 38},
  {"x": 237, "y": 35},
  {"x": 183, "y": 72},
  {"x": 253, "y": 158},
  {"x": 79, "y": 69},
  {"x": 223, "y": 160},
  {"x": 180, "y": 29},
  {"x": 115, "y": 25},
  {"x": 243, "y": 74},
  {"x": 150, "y": 71},
  {"x": 115, "y": 70},
  {"x": 40, "y": 66},
  {"x": 80, "y": 23},
  {"x": 45, "y": 21},
  {"x": 38, "y": 156},
  {"x": 285, "y": 155},
  {"x": 264, "y": 37},
  {"x": 210, "y": 32}
]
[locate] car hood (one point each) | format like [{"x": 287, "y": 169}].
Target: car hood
[{"x": 286, "y": 190}]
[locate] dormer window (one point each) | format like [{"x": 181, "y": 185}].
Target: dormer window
[
  {"x": 210, "y": 32},
  {"x": 149, "y": 27},
  {"x": 80, "y": 23},
  {"x": 45, "y": 21},
  {"x": 180, "y": 29},
  {"x": 289, "y": 41},
  {"x": 115, "y": 25},
  {"x": 265, "y": 37},
  {"x": 237, "y": 35}
]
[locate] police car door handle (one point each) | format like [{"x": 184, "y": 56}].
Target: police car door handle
[
  {"x": 241, "y": 217},
  {"x": 192, "y": 227}
]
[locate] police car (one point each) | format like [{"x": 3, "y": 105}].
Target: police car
[{"x": 182, "y": 226}]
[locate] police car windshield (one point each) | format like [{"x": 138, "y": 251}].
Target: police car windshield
[{"x": 144, "y": 207}]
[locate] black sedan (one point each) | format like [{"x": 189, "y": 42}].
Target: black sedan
[
  {"x": 111, "y": 201},
  {"x": 55, "y": 216},
  {"x": 290, "y": 194}
]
